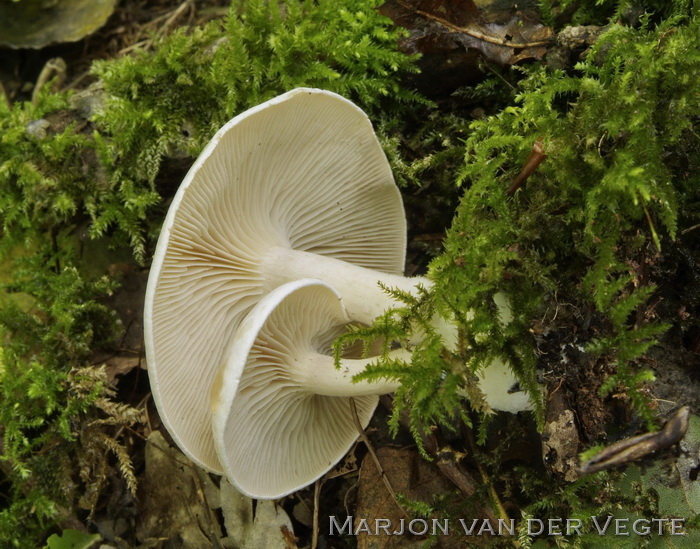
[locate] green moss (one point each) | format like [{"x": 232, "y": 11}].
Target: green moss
[
  {"x": 601, "y": 12},
  {"x": 43, "y": 399},
  {"x": 607, "y": 195},
  {"x": 168, "y": 103},
  {"x": 39, "y": 173}
]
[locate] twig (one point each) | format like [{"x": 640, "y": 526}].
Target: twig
[
  {"x": 289, "y": 539},
  {"x": 370, "y": 448},
  {"x": 536, "y": 157},
  {"x": 486, "y": 479},
  {"x": 477, "y": 34},
  {"x": 170, "y": 18},
  {"x": 636, "y": 447},
  {"x": 314, "y": 528},
  {"x": 686, "y": 231},
  {"x": 446, "y": 460},
  {"x": 497, "y": 74},
  {"x": 561, "y": 382},
  {"x": 146, "y": 44},
  {"x": 448, "y": 463},
  {"x": 213, "y": 535},
  {"x": 55, "y": 67},
  {"x": 654, "y": 235},
  {"x": 187, "y": 4}
]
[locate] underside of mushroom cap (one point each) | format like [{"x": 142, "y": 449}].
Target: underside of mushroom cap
[
  {"x": 274, "y": 435},
  {"x": 304, "y": 171}
]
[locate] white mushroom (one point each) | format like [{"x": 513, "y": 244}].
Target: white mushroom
[
  {"x": 281, "y": 410},
  {"x": 301, "y": 172},
  {"x": 297, "y": 187}
]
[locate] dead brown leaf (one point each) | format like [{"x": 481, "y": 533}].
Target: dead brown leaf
[
  {"x": 412, "y": 477},
  {"x": 174, "y": 499},
  {"x": 500, "y": 39},
  {"x": 459, "y": 27}
]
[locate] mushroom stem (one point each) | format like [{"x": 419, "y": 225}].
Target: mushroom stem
[
  {"x": 364, "y": 300},
  {"x": 319, "y": 374},
  {"x": 363, "y": 296}
]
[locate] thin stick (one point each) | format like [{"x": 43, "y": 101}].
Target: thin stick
[
  {"x": 187, "y": 4},
  {"x": 486, "y": 479},
  {"x": 55, "y": 67},
  {"x": 686, "y": 231},
  {"x": 478, "y": 34},
  {"x": 536, "y": 157},
  {"x": 314, "y": 530},
  {"x": 639, "y": 446},
  {"x": 213, "y": 525},
  {"x": 370, "y": 448}
]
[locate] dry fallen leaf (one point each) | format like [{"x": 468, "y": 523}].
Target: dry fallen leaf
[
  {"x": 175, "y": 506},
  {"x": 268, "y": 526},
  {"x": 453, "y": 36},
  {"x": 412, "y": 477}
]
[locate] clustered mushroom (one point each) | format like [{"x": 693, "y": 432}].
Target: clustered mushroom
[
  {"x": 294, "y": 189},
  {"x": 278, "y": 378}
]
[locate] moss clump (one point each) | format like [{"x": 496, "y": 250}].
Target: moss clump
[
  {"x": 58, "y": 169},
  {"x": 44, "y": 398},
  {"x": 169, "y": 103},
  {"x": 619, "y": 132},
  {"x": 608, "y": 195},
  {"x": 41, "y": 183}
]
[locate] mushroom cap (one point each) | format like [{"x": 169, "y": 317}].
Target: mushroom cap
[
  {"x": 273, "y": 434},
  {"x": 303, "y": 170}
]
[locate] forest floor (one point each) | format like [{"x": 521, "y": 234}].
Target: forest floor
[{"x": 178, "y": 505}]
